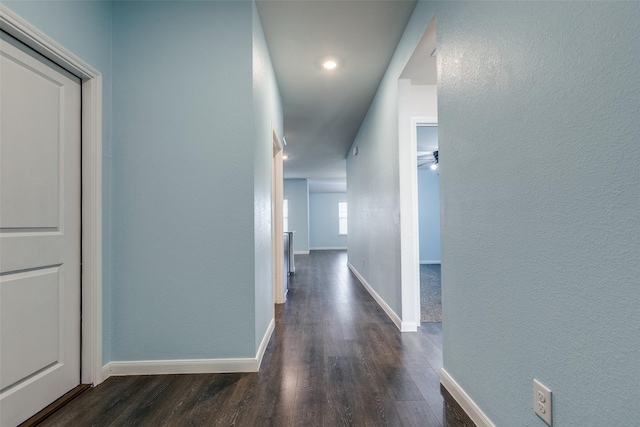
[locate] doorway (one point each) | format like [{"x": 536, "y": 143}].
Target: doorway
[
  {"x": 39, "y": 231},
  {"x": 22, "y": 43},
  {"x": 428, "y": 195},
  {"x": 277, "y": 245},
  {"x": 417, "y": 105}
]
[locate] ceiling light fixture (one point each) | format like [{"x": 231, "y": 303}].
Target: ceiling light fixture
[
  {"x": 285, "y": 157},
  {"x": 330, "y": 64}
]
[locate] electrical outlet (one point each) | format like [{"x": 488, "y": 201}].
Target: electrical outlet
[{"x": 542, "y": 401}]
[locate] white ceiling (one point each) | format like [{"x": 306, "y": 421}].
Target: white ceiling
[
  {"x": 323, "y": 110},
  {"x": 427, "y": 138},
  {"x": 422, "y": 67}
]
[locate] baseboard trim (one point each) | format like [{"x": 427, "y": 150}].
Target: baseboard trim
[
  {"x": 191, "y": 366},
  {"x": 382, "y": 303},
  {"x": 301, "y": 252},
  {"x": 464, "y": 401},
  {"x": 264, "y": 343},
  {"x": 106, "y": 371},
  {"x": 183, "y": 366},
  {"x": 330, "y": 248},
  {"x": 430, "y": 261}
]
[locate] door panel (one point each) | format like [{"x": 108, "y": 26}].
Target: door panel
[
  {"x": 40, "y": 112},
  {"x": 30, "y": 184},
  {"x": 31, "y": 306}
]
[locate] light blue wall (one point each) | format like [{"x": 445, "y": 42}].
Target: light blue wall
[
  {"x": 323, "y": 220},
  {"x": 84, "y": 28},
  {"x": 297, "y": 192},
  {"x": 538, "y": 107},
  {"x": 194, "y": 99},
  {"x": 183, "y": 181},
  {"x": 429, "y": 214},
  {"x": 539, "y": 181},
  {"x": 373, "y": 183},
  {"x": 268, "y": 112}
]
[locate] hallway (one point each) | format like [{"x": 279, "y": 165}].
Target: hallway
[{"x": 334, "y": 359}]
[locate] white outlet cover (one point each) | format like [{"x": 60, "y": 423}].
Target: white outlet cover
[{"x": 542, "y": 401}]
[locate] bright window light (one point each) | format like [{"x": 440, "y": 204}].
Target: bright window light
[
  {"x": 342, "y": 218},
  {"x": 285, "y": 215}
]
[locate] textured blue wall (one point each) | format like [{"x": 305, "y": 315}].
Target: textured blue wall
[
  {"x": 183, "y": 181},
  {"x": 429, "y": 214},
  {"x": 323, "y": 220},
  {"x": 539, "y": 142},
  {"x": 268, "y": 112},
  {"x": 373, "y": 176},
  {"x": 538, "y": 117},
  {"x": 297, "y": 192},
  {"x": 189, "y": 207},
  {"x": 84, "y": 28}
]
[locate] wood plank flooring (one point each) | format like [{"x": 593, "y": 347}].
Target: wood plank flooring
[{"x": 335, "y": 359}]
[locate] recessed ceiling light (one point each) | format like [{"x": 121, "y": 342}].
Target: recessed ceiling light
[
  {"x": 285, "y": 157},
  {"x": 330, "y": 64}
]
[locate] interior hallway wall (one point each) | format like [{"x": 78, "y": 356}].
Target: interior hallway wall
[
  {"x": 186, "y": 205},
  {"x": 429, "y": 215},
  {"x": 540, "y": 250},
  {"x": 183, "y": 200},
  {"x": 324, "y": 221},
  {"x": 268, "y": 113}
]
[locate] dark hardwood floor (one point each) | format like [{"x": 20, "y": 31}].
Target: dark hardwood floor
[{"x": 335, "y": 359}]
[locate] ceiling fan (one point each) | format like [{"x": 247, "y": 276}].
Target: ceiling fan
[{"x": 428, "y": 159}]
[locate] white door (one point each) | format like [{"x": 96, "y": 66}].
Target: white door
[{"x": 40, "y": 113}]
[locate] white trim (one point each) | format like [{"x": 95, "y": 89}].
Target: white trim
[
  {"x": 466, "y": 403},
  {"x": 264, "y": 343},
  {"x": 277, "y": 221},
  {"x": 330, "y": 248},
  {"x": 22, "y": 30},
  {"x": 301, "y": 252},
  {"x": 182, "y": 366},
  {"x": 430, "y": 261},
  {"x": 106, "y": 371},
  {"x": 92, "y": 372},
  {"x": 402, "y": 326},
  {"x": 192, "y": 366}
]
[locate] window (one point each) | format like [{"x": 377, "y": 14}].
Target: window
[
  {"x": 285, "y": 215},
  {"x": 342, "y": 218}
]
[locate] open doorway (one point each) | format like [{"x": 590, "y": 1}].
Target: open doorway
[
  {"x": 428, "y": 194},
  {"x": 417, "y": 117},
  {"x": 277, "y": 242}
]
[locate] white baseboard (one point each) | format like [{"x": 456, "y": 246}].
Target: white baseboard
[
  {"x": 301, "y": 252},
  {"x": 264, "y": 343},
  {"x": 190, "y": 366},
  {"x": 431, "y": 261},
  {"x": 106, "y": 371},
  {"x": 409, "y": 326},
  {"x": 466, "y": 403},
  {"x": 382, "y": 303},
  {"x": 336, "y": 248}
]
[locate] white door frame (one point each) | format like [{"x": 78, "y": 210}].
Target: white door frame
[
  {"x": 277, "y": 196},
  {"x": 91, "y": 262},
  {"x": 409, "y": 224}
]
